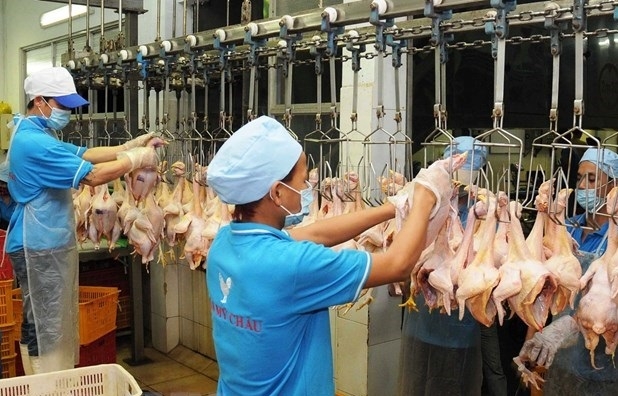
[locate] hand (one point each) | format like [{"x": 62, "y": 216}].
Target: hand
[
  {"x": 542, "y": 347},
  {"x": 140, "y": 157},
  {"x": 149, "y": 139},
  {"x": 438, "y": 181}
]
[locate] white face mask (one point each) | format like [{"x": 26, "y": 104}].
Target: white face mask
[
  {"x": 466, "y": 177},
  {"x": 306, "y": 199}
]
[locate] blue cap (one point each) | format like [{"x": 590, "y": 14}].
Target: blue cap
[
  {"x": 256, "y": 156},
  {"x": 462, "y": 144},
  {"x": 608, "y": 160}
]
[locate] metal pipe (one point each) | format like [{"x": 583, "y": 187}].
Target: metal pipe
[
  {"x": 87, "y": 47},
  {"x": 174, "y": 19},
  {"x": 102, "y": 34},
  {"x": 119, "y": 16},
  {"x": 158, "y": 38},
  {"x": 184, "y": 18}
]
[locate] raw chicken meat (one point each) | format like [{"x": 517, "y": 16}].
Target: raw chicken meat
[
  {"x": 104, "y": 218},
  {"x": 562, "y": 263},
  {"x": 597, "y": 313},
  {"x": 478, "y": 279},
  {"x": 194, "y": 226},
  {"x": 527, "y": 284}
]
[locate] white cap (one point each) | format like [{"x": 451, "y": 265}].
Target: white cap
[
  {"x": 256, "y": 156},
  {"x": 54, "y": 82}
]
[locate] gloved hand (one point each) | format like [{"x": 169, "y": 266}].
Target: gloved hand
[
  {"x": 542, "y": 347},
  {"x": 436, "y": 179},
  {"x": 149, "y": 139},
  {"x": 140, "y": 157}
]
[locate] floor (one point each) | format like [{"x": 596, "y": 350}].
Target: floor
[{"x": 182, "y": 372}]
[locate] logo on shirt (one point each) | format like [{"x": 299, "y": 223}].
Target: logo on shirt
[{"x": 226, "y": 285}]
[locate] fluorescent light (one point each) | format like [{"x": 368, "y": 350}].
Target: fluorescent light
[{"x": 62, "y": 14}]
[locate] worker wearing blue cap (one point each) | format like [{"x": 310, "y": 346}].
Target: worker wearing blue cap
[
  {"x": 41, "y": 237},
  {"x": 270, "y": 288},
  {"x": 441, "y": 355},
  {"x": 570, "y": 371}
]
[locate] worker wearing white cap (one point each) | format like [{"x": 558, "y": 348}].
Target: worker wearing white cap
[
  {"x": 41, "y": 235},
  {"x": 559, "y": 347},
  {"x": 270, "y": 289}
]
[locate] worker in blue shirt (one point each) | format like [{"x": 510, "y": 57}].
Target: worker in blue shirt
[
  {"x": 271, "y": 287},
  {"x": 41, "y": 238},
  {"x": 441, "y": 355},
  {"x": 559, "y": 347},
  {"x": 7, "y": 205}
]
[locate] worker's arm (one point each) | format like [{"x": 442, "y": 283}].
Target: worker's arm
[
  {"x": 97, "y": 155},
  {"x": 128, "y": 160},
  {"x": 397, "y": 262},
  {"x": 335, "y": 230}
]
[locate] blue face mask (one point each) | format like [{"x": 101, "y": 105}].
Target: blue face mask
[
  {"x": 58, "y": 119},
  {"x": 306, "y": 199},
  {"x": 587, "y": 199}
]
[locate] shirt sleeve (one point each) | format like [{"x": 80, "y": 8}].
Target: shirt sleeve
[
  {"x": 50, "y": 163},
  {"x": 325, "y": 277}
]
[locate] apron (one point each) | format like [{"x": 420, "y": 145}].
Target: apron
[
  {"x": 440, "y": 355},
  {"x": 52, "y": 263}
]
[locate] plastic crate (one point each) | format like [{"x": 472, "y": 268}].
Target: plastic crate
[
  {"x": 17, "y": 313},
  {"x": 108, "y": 273},
  {"x": 125, "y": 312},
  {"x": 7, "y": 347},
  {"x": 97, "y": 312},
  {"x": 8, "y": 371},
  {"x": 101, "y": 380},
  {"x": 101, "y": 351},
  {"x": 6, "y": 305},
  {"x": 98, "y": 307},
  {"x": 6, "y": 267}
]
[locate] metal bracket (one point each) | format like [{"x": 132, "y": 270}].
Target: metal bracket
[
  {"x": 579, "y": 15},
  {"x": 374, "y": 19},
  {"x": 254, "y": 46},
  {"x": 331, "y": 33},
  {"x": 499, "y": 27},
  {"x": 224, "y": 49},
  {"x": 355, "y": 50},
  {"x": 396, "y": 45},
  {"x": 438, "y": 38}
]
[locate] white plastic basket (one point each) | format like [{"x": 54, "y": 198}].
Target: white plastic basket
[{"x": 103, "y": 379}]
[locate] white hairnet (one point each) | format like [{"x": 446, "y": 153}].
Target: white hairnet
[
  {"x": 251, "y": 160},
  {"x": 607, "y": 160}
]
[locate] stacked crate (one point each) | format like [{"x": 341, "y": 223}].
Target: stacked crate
[
  {"x": 110, "y": 273},
  {"x": 7, "y": 322},
  {"x": 97, "y": 324}
]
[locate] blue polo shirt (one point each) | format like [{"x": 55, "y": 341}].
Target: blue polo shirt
[
  {"x": 593, "y": 240},
  {"x": 269, "y": 298},
  {"x": 39, "y": 161}
]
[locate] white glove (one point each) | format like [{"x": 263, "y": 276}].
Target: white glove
[
  {"x": 542, "y": 347},
  {"x": 436, "y": 179},
  {"x": 140, "y": 157},
  {"x": 149, "y": 139}
]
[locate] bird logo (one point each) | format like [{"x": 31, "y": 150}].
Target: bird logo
[{"x": 226, "y": 285}]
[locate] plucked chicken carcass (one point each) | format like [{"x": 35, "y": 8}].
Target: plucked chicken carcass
[
  {"x": 193, "y": 226},
  {"x": 534, "y": 241},
  {"x": 478, "y": 279},
  {"x": 143, "y": 181},
  {"x": 441, "y": 253},
  {"x": 597, "y": 312},
  {"x": 562, "y": 263},
  {"x": 82, "y": 202},
  {"x": 104, "y": 218},
  {"x": 174, "y": 211},
  {"x": 524, "y": 281}
]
